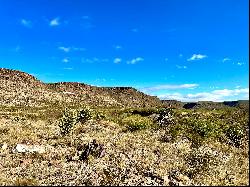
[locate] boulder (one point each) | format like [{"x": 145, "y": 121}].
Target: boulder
[{"x": 23, "y": 148}]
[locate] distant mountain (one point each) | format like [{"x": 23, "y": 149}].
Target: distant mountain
[
  {"x": 216, "y": 105},
  {"x": 22, "y": 89},
  {"x": 205, "y": 104}
]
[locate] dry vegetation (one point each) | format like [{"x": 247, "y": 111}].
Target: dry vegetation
[{"x": 125, "y": 147}]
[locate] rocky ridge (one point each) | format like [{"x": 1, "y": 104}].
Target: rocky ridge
[{"x": 22, "y": 89}]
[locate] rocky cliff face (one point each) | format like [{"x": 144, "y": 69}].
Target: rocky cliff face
[{"x": 19, "y": 88}]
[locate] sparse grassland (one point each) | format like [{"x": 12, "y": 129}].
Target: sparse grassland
[{"x": 131, "y": 146}]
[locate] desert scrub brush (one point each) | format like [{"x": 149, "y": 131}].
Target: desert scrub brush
[
  {"x": 67, "y": 121},
  {"x": 72, "y": 116}
]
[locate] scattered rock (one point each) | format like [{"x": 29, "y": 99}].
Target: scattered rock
[{"x": 23, "y": 148}]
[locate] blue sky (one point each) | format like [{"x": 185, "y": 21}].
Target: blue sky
[{"x": 188, "y": 50}]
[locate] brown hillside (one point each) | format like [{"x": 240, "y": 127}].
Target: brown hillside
[{"x": 20, "y": 88}]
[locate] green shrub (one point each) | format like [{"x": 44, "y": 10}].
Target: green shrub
[
  {"x": 67, "y": 121},
  {"x": 137, "y": 122},
  {"x": 72, "y": 116},
  {"x": 205, "y": 128},
  {"x": 99, "y": 115}
]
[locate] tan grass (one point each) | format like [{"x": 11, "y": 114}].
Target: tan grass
[{"x": 132, "y": 158}]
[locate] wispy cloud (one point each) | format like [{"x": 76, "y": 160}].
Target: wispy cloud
[
  {"x": 65, "y": 49},
  {"x": 117, "y": 60},
  {"x": 166, "y": 59},
  {"x": 216, "y": 95},
  {"x": 135, "y": 60},
  {"x": 65, "y": 60},
  {"x": 54, "y": 22},
  {"x": 180, "y": 55},
  {"x": 181, "y": 67},
  {"x": 196, "y": 57},
  {"x": 26, "y": 23},
  {"x": 169, "y": 87},
  {"x": 240, "y": 63},
  {"x": 226, "y": 59}
]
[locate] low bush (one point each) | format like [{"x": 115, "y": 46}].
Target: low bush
[
  {"x": 72, "y": 116},
  {"x": 198, "y": 127},
  {"x": 137, "y": 122},
  {"x": 67, "y": 121}
]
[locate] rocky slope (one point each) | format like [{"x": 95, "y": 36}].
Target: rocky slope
[{"x": 21, "y": 89}]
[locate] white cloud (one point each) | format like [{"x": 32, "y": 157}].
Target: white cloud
[
  {"x": 65, "y": 60},
  {"x": 54, "y": 22},
  {"x": 180, "y": 55},
  {"x": 135, "y": 60},
  {"x": 26, "y": 23},
  {"x": 216, "y": 95},
  {"x": 181, "y": 67},
  {"x": 226, "y": 59},
  {"x": 169, "y": 87},
  {"x": 117, "y": 60},
  {"x": 197, "y": 57},
  {"x": 65, "y": 49},
  {"x": 240, "y": 63}
]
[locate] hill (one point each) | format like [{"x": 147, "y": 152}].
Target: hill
[{"x": 22, "y": 89}]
